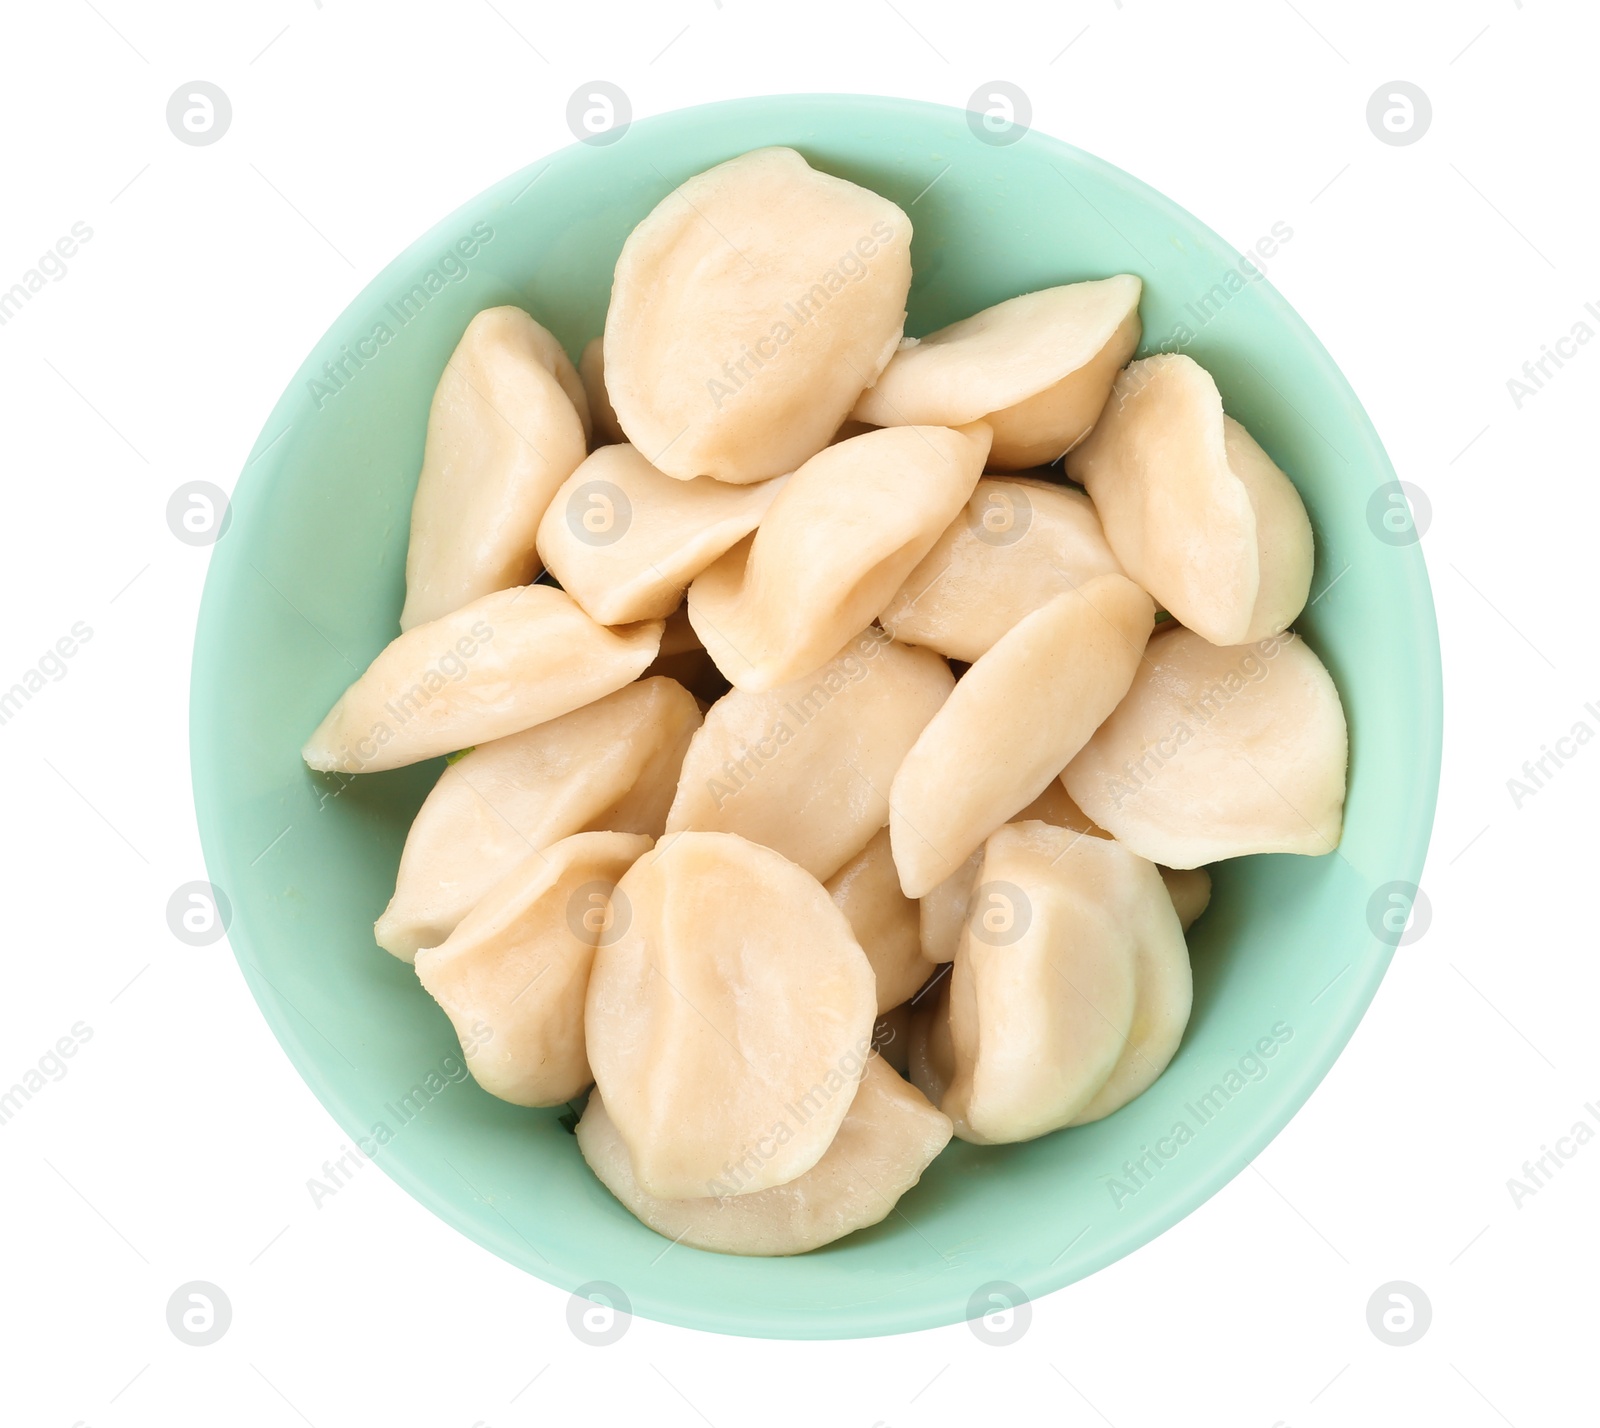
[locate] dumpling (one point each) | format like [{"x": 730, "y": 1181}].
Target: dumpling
[
  {"x": 1055, "y": 805},
  {"x": 729, "y": 1024},
  {"x": 1037, "y": 368},
  {"x": 1196, "y": 511},
  {"x": 884, "y": 920},
  {"x": 1190, "y": 890},
  {"x": 748, "y": 311},
  {"x": 625, "y": 541},
  {"x": 942, "y": 911},
  {"x": 513, "y": 975},
  {"x": 610, "y": 766},
  {"x": 1017, "y": 544},
  {"x": 888, "y": 1138},
  {"x": 1163, "y": 996},
  {"x": 592, "y": 369},
  {"x": 1071, "y": 987},
  {"x": 1217, "y": 752},
  {"x": 504, "y": 663},
  {"x": 805, "y": 768},
  {"x": 832, "y": 549},
  {"x": 943, "y": 915},
  {"x": 1012, "y": 723},
  {"x": 509, "y": 424}
]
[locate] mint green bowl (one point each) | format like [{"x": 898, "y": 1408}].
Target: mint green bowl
[{"x": 305, "y": 587}]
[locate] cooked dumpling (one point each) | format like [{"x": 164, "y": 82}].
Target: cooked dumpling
[
  {"x": 834, "y": 546},
  {"x": 729, "y": 1023},
  {"x": 592, "y": 369},
  {"x": 625, "y": 541},
  {"x": 748, "y": 311},
  {"x": 806, "y": 768},
  {"x": 942, "y": 912},
  {"x": 1037, "y": 368},
  {"x": 889, "y": 1137},
  {"x": 610, "y": 766},
  {"x": 1012, "y": 722},
  {"x": 1055, "y": 805},
  {"x": 513, "y": 975},
  {"x": 1217, "y": 752},
  {"x": 1196, "y": 511},
  {"x": 884, "y": 920},
  {"x": 1070, "y": 989},
  {"x": 944, "y": 908},
  {"x": 1016, "y": 545},
  {"x": 504, "y": 663},
  {"x": 1163, "y": 991},
  {"x": 509, "y": 424},
  {"x": 1190, "y": 890}
]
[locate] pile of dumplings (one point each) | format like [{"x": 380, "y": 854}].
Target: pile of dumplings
[{"x": 839, "y": 723}]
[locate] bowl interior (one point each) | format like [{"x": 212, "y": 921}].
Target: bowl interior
[{"x": 305, "y": 587}]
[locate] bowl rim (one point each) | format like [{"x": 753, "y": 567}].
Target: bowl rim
[{"x": 858, "y": 1320}]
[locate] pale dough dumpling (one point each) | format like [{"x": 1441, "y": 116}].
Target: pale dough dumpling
[
  {"x": 729, "y": 1023},
  {"x": 944, "y": 908},
  {"x": 1219, "y": 751},
  {"x": 806, "y": 768},
  {"x": 509, "y": 424},
  {"x": 625, "y": 540},
  {"x": 835, "y": 545},
  {"x": 889, "y": 1137},
  {"x": 1194, "y": 509},
  {"x": 884, "y": 920},
  {"x": 504, "y": 663},
  {"x": 592, "y": 370},
  {"x": 1055, "y": 805},
  {"x": 1018, "y": 543},
  {"x": 1190, "y": 889},
  {"x": 1011, "y": 724},
  {"x": 513, "y": 975},
  {"x": 610, "y": 766},
  {"x": 1163, "y": 982},
  {"x": 748, "y": 311},
  {"x": 942, "y": 912},
  {"x": 1037, "y": 368},
  {"x": 1071, "y": 987}
]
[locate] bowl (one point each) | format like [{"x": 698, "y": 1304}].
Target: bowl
[{"x": 305, "y": 587}]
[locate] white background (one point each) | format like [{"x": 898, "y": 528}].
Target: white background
[{"x": 179, "y": 1144}]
